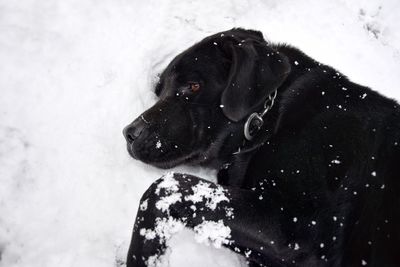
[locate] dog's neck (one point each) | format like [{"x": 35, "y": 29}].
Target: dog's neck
[
  {"x": 233, "y": 170},
  {"x": 271, "y": 110}
]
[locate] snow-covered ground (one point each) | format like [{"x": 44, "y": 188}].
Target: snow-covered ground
[{"x": 73, "y": 73}]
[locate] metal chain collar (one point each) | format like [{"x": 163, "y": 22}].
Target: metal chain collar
[{"x": 255, "y": 120}]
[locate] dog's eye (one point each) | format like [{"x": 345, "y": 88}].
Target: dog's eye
[
  {"x": 189, "y": 89},
  {"x": 194, "y": 87}
]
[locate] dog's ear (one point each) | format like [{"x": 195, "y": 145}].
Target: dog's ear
[{"x": 256, "y": 71}]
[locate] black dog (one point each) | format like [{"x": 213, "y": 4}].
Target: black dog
[{"x": 309, "y": 162}]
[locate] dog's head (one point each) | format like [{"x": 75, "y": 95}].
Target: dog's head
[{"x": 205, "y": 95}]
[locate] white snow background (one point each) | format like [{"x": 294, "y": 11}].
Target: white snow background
[{"x": 73, "y": 73}]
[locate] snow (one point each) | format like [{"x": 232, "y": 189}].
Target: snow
[
  {"x": 165, "y": 202},
  {"x": 169, "y": 183},
  {"x": 165, "y": 228},
  {"x": 213, "y": 233},
  {"x": 75, "y": 72},
  {"x": 148, "y": 233},
  {"x": 158, "y": 144},
  {"x": 201, "y": 254},
  {"x": 143, "y": 205},
  {"x": 203, "y": 192}
]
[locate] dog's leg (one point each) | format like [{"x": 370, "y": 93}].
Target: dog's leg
[{"x": 219, "y": 215}]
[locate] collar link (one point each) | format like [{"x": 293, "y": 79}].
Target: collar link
[{"x": 255, "y": 121}]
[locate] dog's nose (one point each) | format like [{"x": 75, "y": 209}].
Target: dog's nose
[{"x": 133, "y": 130}]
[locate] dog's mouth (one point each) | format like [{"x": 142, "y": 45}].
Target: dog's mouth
[
  {"x": 159, "y": 152},
  {"x": 131, "y": 151}
]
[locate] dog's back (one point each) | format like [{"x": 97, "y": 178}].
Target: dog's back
[{"x": 333, "y": 166}]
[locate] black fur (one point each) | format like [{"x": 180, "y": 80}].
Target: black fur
[{"x": 319, "y": 184}]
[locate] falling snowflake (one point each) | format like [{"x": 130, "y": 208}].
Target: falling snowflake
[{"x": 158, "y": 144}]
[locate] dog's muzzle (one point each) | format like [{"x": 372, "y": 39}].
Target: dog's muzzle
[{"x": 133, "y": 130}]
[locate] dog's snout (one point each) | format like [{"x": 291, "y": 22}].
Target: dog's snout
[{"x": 133, "y": 130}]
